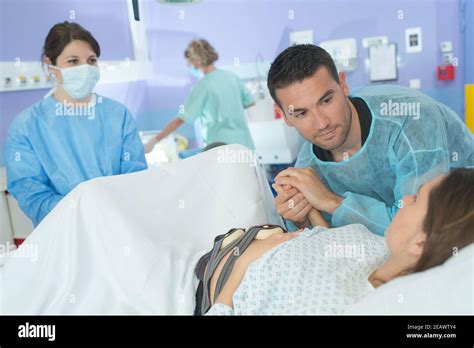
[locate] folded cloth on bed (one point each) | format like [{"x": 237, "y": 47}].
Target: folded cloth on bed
[{"x": 129, "y": 243}]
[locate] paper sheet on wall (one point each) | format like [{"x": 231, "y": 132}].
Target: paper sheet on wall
[{"x": 383, "y": 62}]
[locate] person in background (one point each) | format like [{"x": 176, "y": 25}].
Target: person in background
[
  {"x": 72, "y": 135},
  {"x": 218, "y": 100}
]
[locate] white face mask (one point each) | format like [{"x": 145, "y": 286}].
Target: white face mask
[{"x": 78, "y": 81}]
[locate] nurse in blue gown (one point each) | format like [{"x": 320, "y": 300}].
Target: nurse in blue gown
[{"x": 72, "y": 135}]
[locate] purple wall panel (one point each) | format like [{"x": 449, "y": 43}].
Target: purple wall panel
[{"x": 238, "y": 29}]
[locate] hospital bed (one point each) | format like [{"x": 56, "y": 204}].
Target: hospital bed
[{"x": 128, "y": 244}]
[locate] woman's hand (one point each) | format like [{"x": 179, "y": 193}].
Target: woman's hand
[{"x": 150, "y": 144}]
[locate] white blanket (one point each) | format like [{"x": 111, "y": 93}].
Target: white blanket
[{"x": 128, "y": 244}]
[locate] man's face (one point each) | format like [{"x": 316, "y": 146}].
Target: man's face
[{"x": 318, "y": 108}]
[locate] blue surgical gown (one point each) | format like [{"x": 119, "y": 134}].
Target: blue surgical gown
[
  {"x": 218, "y": 101},
  {"x": 400, "y": 153},
  {"x": 50, "y": 150}
]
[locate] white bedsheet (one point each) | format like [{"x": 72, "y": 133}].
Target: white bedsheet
[{"x": 128, "y": 244}]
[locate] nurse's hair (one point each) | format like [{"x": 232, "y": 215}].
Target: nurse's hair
[
  {"x": 61, "y": 35},
  {"x": 297, "y": 63},
  {"x": 449, "y": 221},
  {"x": 202, "y": 51}
]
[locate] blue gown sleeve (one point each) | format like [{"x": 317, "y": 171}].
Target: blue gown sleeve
[
  {"x": 26, "y": 179},
  {"x": 133, "y": 153},
  {"x": 418, "y": 152}
]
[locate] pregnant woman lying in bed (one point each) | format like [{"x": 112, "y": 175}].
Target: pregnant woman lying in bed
[{"x": 324, "y": 270}]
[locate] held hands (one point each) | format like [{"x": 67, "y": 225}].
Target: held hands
[
  {"x": 310, "y": 186},
  {"x": 292, "y": 205}
]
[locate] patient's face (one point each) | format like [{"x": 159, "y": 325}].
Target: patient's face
[{"x": 405, "y": 234}]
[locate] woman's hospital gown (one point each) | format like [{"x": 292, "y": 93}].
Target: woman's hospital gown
[
  {"x": 51, "y": 149},
  {"x": 323, "y": 271}
]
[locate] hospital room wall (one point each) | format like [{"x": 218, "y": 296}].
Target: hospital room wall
[
  {"x": 243, "y": 29},
  {"x": 238, "y": 29},
  {"x": 468, "y": 10},
  {"x": 468, "y": 21}
]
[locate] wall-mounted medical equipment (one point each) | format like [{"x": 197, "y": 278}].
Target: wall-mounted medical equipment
[
  {"x": 275, "y": 142},
  {"x": 301, "y": 37},
  {"x": 343, "y": 52},
  {"x": 19, "y": 75},
  {"x": 374, "y": 41},
  {"x": 446, "y": 70},
  {"x": 413, "y": 40},
  {"x": 383, "y": 62}
]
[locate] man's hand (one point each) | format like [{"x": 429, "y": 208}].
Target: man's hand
[
  {"x": 311, "y": 187},
  {"x": 291, "y": 205}
]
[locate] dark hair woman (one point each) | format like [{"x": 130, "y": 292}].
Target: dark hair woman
[{"x": 72, "y": 135}]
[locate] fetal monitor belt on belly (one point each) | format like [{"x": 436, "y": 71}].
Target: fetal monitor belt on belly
[{"x": 236, "y": 239}]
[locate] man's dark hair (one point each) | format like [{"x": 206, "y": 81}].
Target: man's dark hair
[{"x": 297, "y": 63}]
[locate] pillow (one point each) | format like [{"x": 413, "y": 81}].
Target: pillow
[{"x": 446, "y": 289}]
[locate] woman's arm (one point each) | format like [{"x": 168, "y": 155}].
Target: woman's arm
[
  {"x": 317, "y": 219},
  {"x": 170, "y": 128}
]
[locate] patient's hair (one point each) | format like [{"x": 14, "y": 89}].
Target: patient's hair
[
  {"x": 449, "y": 222},
  {"x": 297, "y": 63},
  {"x": 62, "y": 34},
  {"x": 202, "y": 51}
]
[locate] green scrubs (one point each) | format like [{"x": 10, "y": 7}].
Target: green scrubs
[{"x": 218, "y": 101}]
